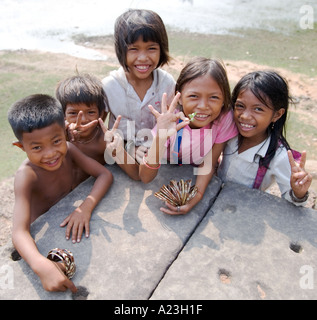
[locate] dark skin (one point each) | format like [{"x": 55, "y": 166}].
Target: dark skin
[{"x": 41, "y": 181}]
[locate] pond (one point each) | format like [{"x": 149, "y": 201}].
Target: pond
[{"x": 48, "y": 25}]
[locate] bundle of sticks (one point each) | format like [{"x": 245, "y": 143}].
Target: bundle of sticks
[{"x": 177, "y": 193}]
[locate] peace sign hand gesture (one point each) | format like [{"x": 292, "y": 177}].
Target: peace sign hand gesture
[
  {"x": 167, "y": 120},
  {"x": 300, "y": 179},
  {"x": 112, "y": 137},
  {"x": 75, "y": 129}
]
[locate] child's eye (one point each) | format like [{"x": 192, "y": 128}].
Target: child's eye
[
  {"x": 72, "y": 113},
  {"x": 215, "y": 97},
  {"x": 238, "y": 106},
  {"x": 258, "y": 109},
  {"x": 57, "y": 141},
  {"x": 36, "y": 148}
]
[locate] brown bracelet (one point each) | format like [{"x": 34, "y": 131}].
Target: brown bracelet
[
  {"x": 65, "y": 256},
  {"x": 295, "y": 199}
]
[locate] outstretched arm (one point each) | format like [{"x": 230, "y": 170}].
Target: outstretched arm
[
  {"x": 51, "y": 276},
  {"x": 204, "y": 174},
  {"x": 166, "y": 126},
  {"x": 79, "y": 219}
]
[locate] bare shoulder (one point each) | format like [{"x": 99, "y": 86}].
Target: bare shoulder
[{"x": 25, "y": 177}]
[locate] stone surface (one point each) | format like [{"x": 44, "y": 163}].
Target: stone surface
[
  {"x": 237, "y": 243},
  {"x": 250, "y": 245},
  {"x": 132, "y": 243}
]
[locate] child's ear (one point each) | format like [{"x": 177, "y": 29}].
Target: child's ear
[
  {"x": 278, "y": 114},
  {"x": 18, "y": 144}
]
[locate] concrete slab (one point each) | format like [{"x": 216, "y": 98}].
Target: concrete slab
[
  {"x": 250, "y": 245},
  {"x": 132, "y": 243}
]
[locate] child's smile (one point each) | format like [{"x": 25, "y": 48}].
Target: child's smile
[
  {"x": 202, "y": 101},
  {"x": 252, "y": 117},
  {"x": 46, "y": 147}
]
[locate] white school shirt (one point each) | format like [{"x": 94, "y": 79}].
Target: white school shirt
[
  {"x": 242, "y": 168},
  {"x": 137, "y": 119}
]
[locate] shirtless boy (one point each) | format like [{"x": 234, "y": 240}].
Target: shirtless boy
[{"x": 47, "y": 175}]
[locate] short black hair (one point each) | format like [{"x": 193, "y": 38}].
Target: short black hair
[
  {"x": 134, "y": 23},
  {"x": 85, "y": 89},
  {"x": 35, "y": 112}
]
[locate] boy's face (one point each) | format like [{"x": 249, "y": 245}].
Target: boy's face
[
  {"x": 142, "y": 59},
  {"x": 89, "y": 113},
  {"x": 46, "y": 147}
]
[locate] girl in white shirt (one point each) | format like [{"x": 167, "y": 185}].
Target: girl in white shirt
[
  {"x": 260, "y": 153},
  {"x": 141, "y": 45}
]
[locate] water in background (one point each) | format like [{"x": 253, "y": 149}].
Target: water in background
[{"x": 49, "y": 25}]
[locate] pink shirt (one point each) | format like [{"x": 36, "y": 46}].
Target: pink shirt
[{"x": 196, "y": 143}]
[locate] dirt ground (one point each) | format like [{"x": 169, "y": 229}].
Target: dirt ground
[{"x": 302, "y": 87}]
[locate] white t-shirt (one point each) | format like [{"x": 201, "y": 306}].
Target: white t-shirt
[
  {"x": 137, "y": 119},
  {"x": 242, "y": 168}
]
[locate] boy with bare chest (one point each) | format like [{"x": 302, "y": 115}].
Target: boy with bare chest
[{"x": 45, "y": 177}]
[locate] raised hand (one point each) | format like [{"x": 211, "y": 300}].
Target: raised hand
[
  {"x": 300, "y": 179},
  {"x": 75, "y": 129},
  {"x": 167, "y": 120},
  {"x": 112, "y": 137}
]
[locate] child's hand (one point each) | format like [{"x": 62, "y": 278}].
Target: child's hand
[
  {"x": 112, "y": 137},
  {"x": 140, "y": 153},
  {"x": 167, "y": 120},
  {"x": 75, "y": 129},
  {"x": 172, "y": 210},
  {"x": 52, "y": 277},
  {"x": 300, "y": 179},
  {"x": 76, "y": 222}
]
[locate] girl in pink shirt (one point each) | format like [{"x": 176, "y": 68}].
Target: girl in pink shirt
[{"x": 196, "y": 132}]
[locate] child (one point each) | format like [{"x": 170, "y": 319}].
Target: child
[
  {"x": 141, "y": 45},
  {"x": 84, "y": 103},
  {"x": 204, "y": 95},
  {"x": 45, "y": 177},
  {"x": 260, "y": 153}
]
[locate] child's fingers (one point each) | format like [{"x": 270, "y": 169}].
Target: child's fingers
[
  {"x": 164, "y": 103},
  {"x": 116, "y": 124},
  {"x": 70, "y": 285},
  {"x": 89, "y": 125},
  {"x": 79, "y": 119},
  {"x": 302, "y": 160},
  {"x": 291, "y": 159},
  {"x": 154, "y": 111},
  {"x": 102, "y": 125},
  {"x": 174, "y": 102},
  {"x": 172, "y": 210}
]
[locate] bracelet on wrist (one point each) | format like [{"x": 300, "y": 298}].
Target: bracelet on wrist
[
  {"x": 148, "y": 166},
  {"x": 299, "y": 200}
]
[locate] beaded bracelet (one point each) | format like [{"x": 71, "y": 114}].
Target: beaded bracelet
[
  {"x": 65, "y": 256},
  {"x": 148, "y": 166}
]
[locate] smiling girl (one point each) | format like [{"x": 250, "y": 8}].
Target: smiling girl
[
  {"x": 141, "y": 45},
  {"x": 203, "y": 94},
  {"x": 260, "y": 154}
]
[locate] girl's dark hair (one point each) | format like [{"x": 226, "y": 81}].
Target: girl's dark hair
[
  {"x": 272, "y": 90},
  {"x": 85, "y": 89},
  {"x": 134, "y": 23},
  {"x": 35, "y": 112},
  {"x": 198, "y": 67}
]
